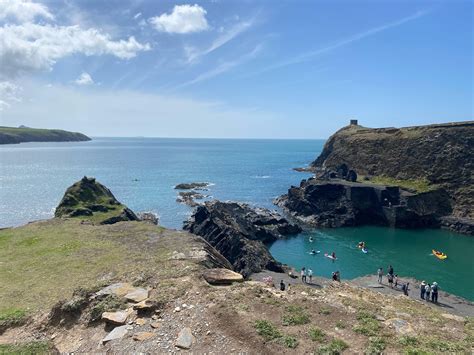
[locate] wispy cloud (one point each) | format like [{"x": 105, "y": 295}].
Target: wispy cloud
[
  {"x": 193, "y": 53},
  {"x": 341, "y": 43},
  {"x": 221, "y": 68}
]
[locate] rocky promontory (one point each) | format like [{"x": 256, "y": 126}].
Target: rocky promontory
[
  {"x": 92, "y": 201},
  {"x": 22, "y": 134},
  {"x": 240, "y": 232},
  {"x": 402, "y": 177}
]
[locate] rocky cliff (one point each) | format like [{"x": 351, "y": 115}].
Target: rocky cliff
[
  {"x": 13, "y": 135},
  {"x": 93, "y": 201},
  {"x": 239, "y": 232},
  {"x": 434, "y": 156}
]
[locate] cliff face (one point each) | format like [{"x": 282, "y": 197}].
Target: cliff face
[
  {"x": 93, "y": 201},
  {"x": 13, "y": 135},
  {"x": 439, "y": 155},
  {"x": 239, "y": 232}
]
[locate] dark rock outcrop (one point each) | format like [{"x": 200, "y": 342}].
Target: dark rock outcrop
[
  {"x": 189, "y": 198},
  {"x": 149, "y": 217},
  {"x": 240, "y": 232},
  {"x": 192, "y": 185},
  {"x": 91, "y": 200},
  {"x": 339, "y": 203},
  {"x": 440, "y": 155}
]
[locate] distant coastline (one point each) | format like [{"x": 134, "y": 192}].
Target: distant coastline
[{"x": 22, "y": 134}]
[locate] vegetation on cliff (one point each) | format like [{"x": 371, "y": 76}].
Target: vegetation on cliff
[
  {"x": 11, "y": 135},
  {"x": 421, "y": 158}
]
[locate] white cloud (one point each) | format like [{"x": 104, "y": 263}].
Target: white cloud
[
  {"x": 183, "y": 19},
  {"x": 84, "y": 79},
  {"x": 8, "y": 94},
  {"x": 23, "y": 10},
  {"x": 137, "y": 15},
  {"x": 31, "y": 47},
  {"x": 193, "y": 53}
]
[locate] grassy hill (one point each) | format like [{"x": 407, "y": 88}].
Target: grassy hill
[{"x": 12, "y": 135}]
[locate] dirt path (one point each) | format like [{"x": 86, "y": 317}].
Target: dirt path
[{"x": 447, "y": 303}]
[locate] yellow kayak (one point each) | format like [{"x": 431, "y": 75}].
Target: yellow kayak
[{"x": 439, "y": 254}]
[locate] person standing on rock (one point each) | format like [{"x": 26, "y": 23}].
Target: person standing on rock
[
  {"x": 390, "y": 270},
  {"x": 310, "y": 274},
  {"x": 434, "y": 292},
  {"x": 427, "y": 292},
  {"x": 380, "y": 274},
  {"x": 422, "y": 289},
  {"x": 390, "y": 279},
  {"x": 303, "y": 275}
]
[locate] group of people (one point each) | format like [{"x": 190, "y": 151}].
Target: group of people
[
  {"x": 392, "y": 278},
  {"x": 429, "y": 289},
  {"x": 305, "y": 274}
]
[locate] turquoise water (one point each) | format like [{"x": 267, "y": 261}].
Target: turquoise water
[
  {"x": 408, "y": 251},
  {"x": 34, "y": 176}
]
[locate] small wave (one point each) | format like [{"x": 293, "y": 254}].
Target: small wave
[{"x": 262, "y": 177}]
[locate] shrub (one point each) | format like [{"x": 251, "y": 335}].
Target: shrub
[
  {"x": 267, "y": 330},
  {"x": 316, "y": 334},
  {"x": 12, "y": 317},
  {"x": 324, "y": 310},
  {"x": 335, "y": 347},
  {"x": 108, "y": 304},
  {"x": 295, "y": 315},
  {"x": 340, "y": 325},
  {"x": 290, "y": 342},
  {"x": 367, "y": 324},
  {"x": 376, "y": 345}
]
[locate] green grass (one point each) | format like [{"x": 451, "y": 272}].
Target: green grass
[
  {"x": 44, "y": 262},
  {"x": 325, "y": 311},
  {"x": 289, "y": 341},
  {"x": 407, "y": 340},
  {"x": 419, "y": 185},
  {"x": 31, "y": 348},
  {"x": 367, "y": 324},
  {"x": 376, "y": 345},
  {"x": 295, "y": 315},
  {"x": 316, "y": 334},
  {"x": 12, "y": 317},
  {"x": 335, "y": 347},
  {"x": 340, "y": 325},
  {"x": 267, "y": 330}
]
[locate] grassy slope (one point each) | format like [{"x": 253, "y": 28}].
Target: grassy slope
[
  {"x": 19, "y": 135},
  {"x": 44, "y": 262}
]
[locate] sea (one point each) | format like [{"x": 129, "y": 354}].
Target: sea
[{"x": 142, "y": 173}]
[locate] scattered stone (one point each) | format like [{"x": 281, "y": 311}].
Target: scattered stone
[
  {"x": 149, "y": 217},
  {"x": 453, "y": 317},
  {"x": 137, "y": 295},
  {"x": 401, "y": 326},
  {"x": 144, "y": 305},
  {"x": 380, "y": 318},
  {"x": 140, "y": 321},
  {"x": 143, "y": 336},
  {"x": 155, "y": 325},
  {"x": 118, "y": 317},
  {"x": 222, "y": 276},
  {"x": 177, "y": 309},
  {"x": 119, "y": 289},
  {"x": 117, "y": 333},
  {"x": 185, "y": 339}
]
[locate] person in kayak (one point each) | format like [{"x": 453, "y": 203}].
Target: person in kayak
[
  {"x": 422, "y": 289},
  {"x": 313, "y": 252},
  {"x": 434, "y": 292},
  {"x": 333, "y": 255}
]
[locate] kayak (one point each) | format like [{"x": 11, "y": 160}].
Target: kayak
[
  {"x": 439, "y": 254},
  {"x": 316, "y": 252},
  {"x": 365, "y": 251},
  {"x": 330, "y": 256}
]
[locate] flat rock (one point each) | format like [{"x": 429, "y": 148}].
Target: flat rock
[
  {"x": 401, "y": 326},
  {"x": 137, "y": 295},
  {"x": 453, "y": 317},
  {"x": 118, "y": 289},
  {"x": 117, "y": 333},
  {"x": 144, "y": 305},
  {"x": 118, "y": 317},
  {"x": 140, "y": 321},
  {"x": 222, "y": 276},
  {"x": 141, "y": 336},
  {"x": 155, "y": 325},
  {"x": 185, "y": 339}
]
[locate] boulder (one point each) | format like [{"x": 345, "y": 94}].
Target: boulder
[
  {"x": 222, "y": 276},
  {"x": 185, "y": 339},
  {"x": 119, "y": 289},
  {"x": 116, "y": 333},
  {"x": 191, "y": 185},
  {"x": 240, "y": 232},
  {"x": 149, "y": 217},
  {"x": 145, "y": 305}
]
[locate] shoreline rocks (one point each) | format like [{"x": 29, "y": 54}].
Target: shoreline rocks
[
  {"x": 192, "y": 186},
  {"x": 340, "y": 203},
  {"x": 239, "y": 232}
]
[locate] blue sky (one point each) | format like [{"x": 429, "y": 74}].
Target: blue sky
[{"x": 257, "y": 69}]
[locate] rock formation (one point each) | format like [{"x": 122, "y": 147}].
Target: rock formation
[
  {"x": 440, "y": 155},
  {"x": 14, "y": 135},
  {"x": 239, "y": 232},
  {"x": 339, "y": 203},
  {"x": 91, "y": 200}
]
